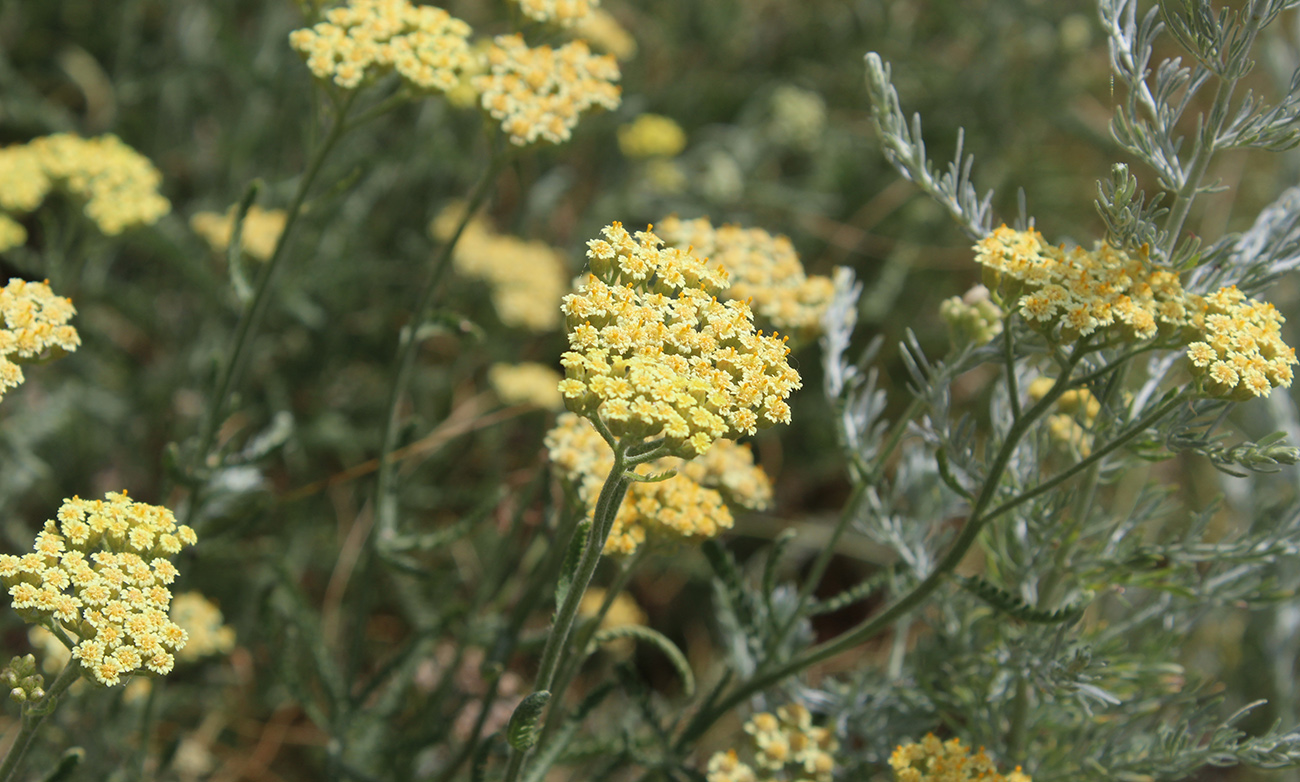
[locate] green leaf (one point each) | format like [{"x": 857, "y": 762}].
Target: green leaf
[
  {"x": 1013, "y": 606},
  {"x": 571, "y": 559},
  {"x": 860, "y": 591},
  {"x": 521, "y": 732},
  {"x": 653, "y": 636},
  {"x": 234, "y": 249}
]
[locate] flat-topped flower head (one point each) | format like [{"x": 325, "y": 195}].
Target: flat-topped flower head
[
  {"x": 933, "y": 760},
  {"x": 691, "y": 505},
  {"x": 101, "y": 573},
  {"x": 764, "y": 269},
  {"x": 35, "y": 325},
  {"x": 258, "y": 237},
  {"x": 561, "y": 12},
  {"x": 785, "y": 745},
  {"x": 365, "y": 39},
  {"x": 1241, "y": 354},
  {"x": 540, "y": 92},
  {"x": 655, "y": 354}
]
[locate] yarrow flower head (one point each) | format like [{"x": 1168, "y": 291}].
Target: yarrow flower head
[
  {"x": 100, "y": 573},
  {"x": 527, "y": 383},
  {"x": 623, "y": 612},
  {"x": 365, "y": 39},
  {"x": 651, "y": 135},
  {"x": 35, "y": 325},
  {"x": 973, "y": 318},
  {"x": 539, "y": 93},
  {"x": 653, "y": 353},
  {"x": 764, "y": 270},
  {"x": 258, "y": 237},
  {"x": 933, "y": 760},
  {"x": 1241, "y": 354},
  {"x": 205, "y": 631},
  {"x": 562, "y": 12},
  {"x": 1071, "y": 427},
  {"x": 786, "y": 746},
  {"x": 604, "y": 34},
  {"x": 691, "y": 505}
]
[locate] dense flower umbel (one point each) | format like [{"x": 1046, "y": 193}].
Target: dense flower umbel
[
  {"x": 786, "y": 747},
  {"x": 427, "y": 46},
  {"x": 564, "y": 12},
  {"x": 258, "y": 237},
  {"x": 35, "y": 321},
  {"x": 933, "y": 760},
  {"x": 688, "y": 506},
  {"x": 655, "y": 354},
  {"x": 651, "y": 135},
  {"x": 101, "y": 573},
  {"x": 1241, "y": 354},
  {"x": 539, "y": 93},
  {"x": 764, "y": 269}
]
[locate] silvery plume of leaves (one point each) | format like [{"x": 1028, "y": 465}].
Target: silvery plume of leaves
[{"x": 1258, "y": 257}]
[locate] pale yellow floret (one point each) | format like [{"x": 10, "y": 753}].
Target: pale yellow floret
[
  {"x": 932, "y": 760},
  {"x": 764, "y": 270},
  {"x": 35, "y": 325},
  {"x": 539, "y": 93},
  {"x": 527, "y": 384},
  {"x": 651, "y": 135},
  {"x": 365, "y": 39},
  {"x": 623, "y": 612},
  {"x": 561, "y": 12},
  {"x": 198, "y": 626},
  {"x": 12, "y": 234},
  {"x": 118, "y": 184},
  {"x": 261, "y": 230},
  {"x": 600, "y": 29},
  {"x": 103, "y": 580},
  {"x": 1241, "y": 355},
  {"x": 785, "y": 745}
]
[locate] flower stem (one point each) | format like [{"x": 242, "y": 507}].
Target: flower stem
[{"x": 34, "y": 716}]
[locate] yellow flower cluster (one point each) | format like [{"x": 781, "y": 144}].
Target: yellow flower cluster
[
  {"x": 1241, "y": 354},
  {"x": 261, "y": 231},
  {"x": 1069, "y": 294},
  {"x": 972, "y": 318},
  {"x": 651, "y": 135},
  {"x": 527, "y": 278},
  {"x": 690, "y": 505},
  {"x": 1064, "y": 427},
  {"x": 765, "y": 270},
  {"x": 526, "y": 384},
  {"x": 654, "y": 353},
  {"x": 933, "y": 760},
  {"x": 101, "y": 573},
  {"x": 203, "y": 625},
  {"x": 786, "y": 746},
  {"x": 622, "y": 612},
  {"x": 35, "y": 321},
  {"x": 562, "y": 12},
  {"x": 366, "y": 38},
  {"x": 118, "y": 184},
  {"x": 603, "y": 32},
  {"x": 540, "y": 92}
]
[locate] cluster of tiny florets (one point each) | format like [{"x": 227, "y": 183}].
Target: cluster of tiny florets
[
  {"x": 973, "y": 318},
  {"x": 1241, "y": 354},
  {"x": 623, "y": 612},
  {"x": 204, "y": 626},
  {"x": 35, "y": 322},
  {"x": 655, "y": 354},
  {"x": 604, "y": 33},
  {"x": 1071, "y": 426},
  {"x": 1068, "y": 294},
  {"x": 101, "y": 572},
  {"x": 526, "y": 383},
  {"x": 933, "y": 760},
  {"x": 651, "y": 135},
  {"x": 258, "y": 236},
  {"x": 691, "y": 505},
  {"x": 118, "y": 184},
  {"x": 527, "y": 278},
  {"x": 539, "y": 92},
  {"x": 765, "y": 271},
  {"x": 786, "y": 746},
  {"x": 561, "y": 12},
  {"x": 426, "y": 45}
]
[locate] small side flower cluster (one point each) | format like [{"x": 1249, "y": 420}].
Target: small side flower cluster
[
  {"x": 527, "y": 278},
  {"x": 604, "y": 33},
  {"x": 786, "y": 747},
  {"x": 204, "y": 627},
  {"x": 539, "y": 93},
  {"x": 973, "y": 318},
  {"x": 365, "y": 39},
  {"x": 1241, "y": 354},
  {"x": 118, "y": 184},
  {"x": 261, "y": 230},
  {"x": 526, "y": 383},
  {"x": 1068, "y": 294},
  {"x": 650, "y": 136},
  {"x": 933, "y": 760},
  {"x": 765, "y": 271},
  {"x": 101, "y": 573},
  {"x": 35, "y": 321},
  {"x": 691, "y": 505},
  {"x": 655, "y": 354},
  {"x": 1064, "y": 427},
  {"x": 561, "y": 12},
  {"x": 622, "y": 612}
]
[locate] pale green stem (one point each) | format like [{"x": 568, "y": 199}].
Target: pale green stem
[{"x": 33, "y": 717}]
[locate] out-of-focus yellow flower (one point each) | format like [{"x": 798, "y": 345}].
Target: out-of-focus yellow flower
[
  {"x": 203, "y": 625},
  {"x": 973, "y": 318},
  {"x": 539, "y": 93},
  {"x": 622, "y": 612},
  {"x": 35, "y": 324},
  {"x": 1071, "y": 427},
  {"x": 933, "y": 760},
  {"x": 651, "y": 135},
  {"x": 561, "y": 12},
  {"x": 426, "y": 45},
  {"x": 262, "y": 229},
  {"x": 527, "y": 278},
  {"x": 465, "y": 95},
  {"x": 11, "y": 233},
  {"x": 526, "y": 384},
  {"x": 786, "y": 745},
  {"x": 798, "y": 116},
  {"x": 764, "y": 270},
  {"x": 600, "y": 29},
  {"x": 1241, "y": 354},
  {"x": 666, "y": 176},
  {"x": 688, "y": 506},
  {"x": 655, "y": 354},
  {"x": 101, "y": 573},
  {"x": 23, "y": 182}
]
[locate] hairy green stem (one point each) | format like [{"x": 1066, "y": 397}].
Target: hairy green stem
[
  {"x": 1009, "y": 356},
  {"x": 34, "y": 716}
]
